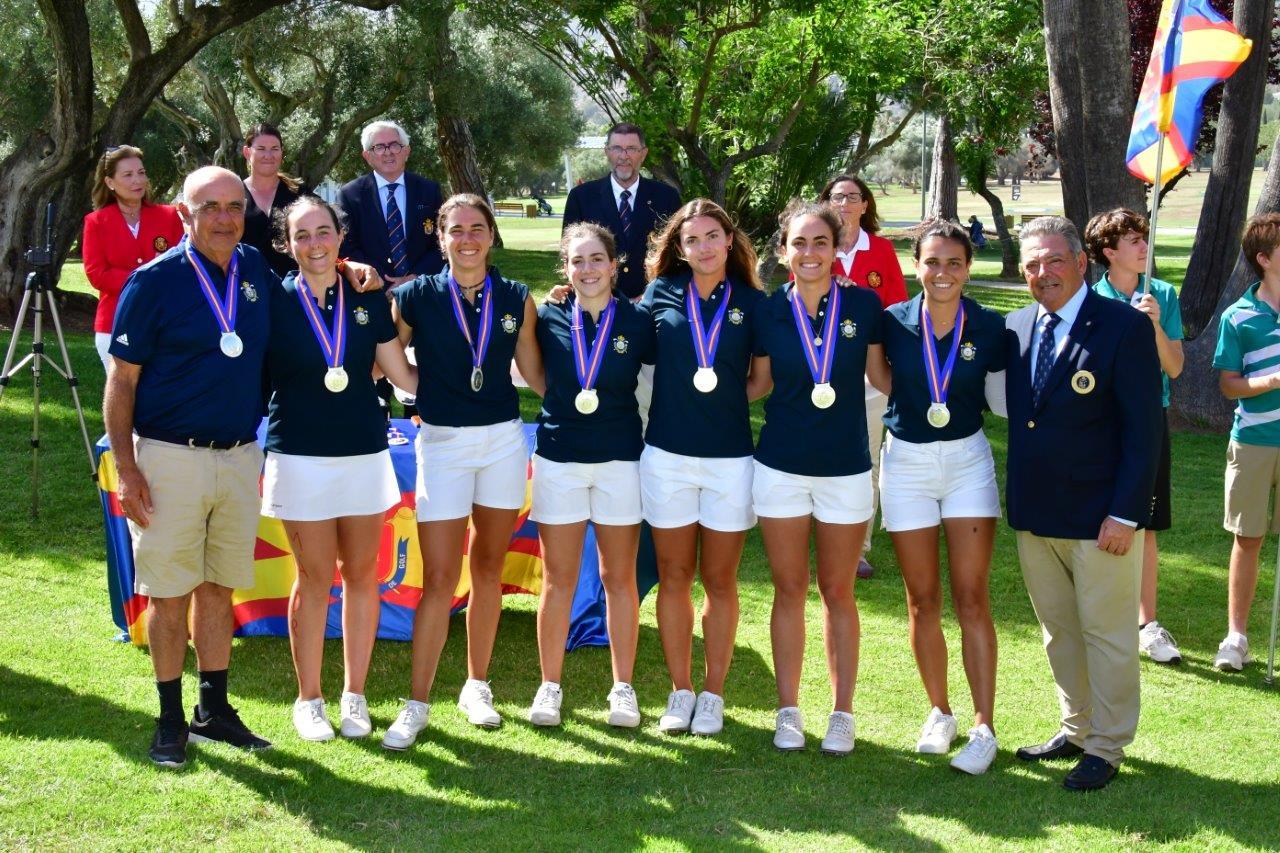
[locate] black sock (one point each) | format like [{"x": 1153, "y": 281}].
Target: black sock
[
  {"x": 1143, "y": 625},
  {"x": 213, "y": 692},
  {"x": 171, "y": 699}
]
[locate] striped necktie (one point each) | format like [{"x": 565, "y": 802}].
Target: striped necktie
[
  {"x": 1044, "y": 357},
  {"x": 395, "y": 233},
  {"x": 624, "y": 211}
]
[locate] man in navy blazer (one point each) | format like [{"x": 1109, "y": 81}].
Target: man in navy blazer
[
  {"x": 1083, "y": 391},
  {"x": 648, "y": 203},
  {"x": 399, "y": 240}
]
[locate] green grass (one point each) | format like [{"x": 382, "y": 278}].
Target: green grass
[{"x": 76, "y": 714}]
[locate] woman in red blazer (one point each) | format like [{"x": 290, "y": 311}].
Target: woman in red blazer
[
  {"x": 868, "y": 261},
  {"x": 124, "y": 231}
]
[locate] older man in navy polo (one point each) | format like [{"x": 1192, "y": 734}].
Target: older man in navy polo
[{"x": 183, "y": 403}]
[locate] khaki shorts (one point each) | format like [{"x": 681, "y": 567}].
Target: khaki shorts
[
  {"x": 1252, "y": 471},
  {"x": 205, "y": 521}
]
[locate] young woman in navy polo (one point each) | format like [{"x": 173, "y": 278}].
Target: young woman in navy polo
[
  {"x": 695, "y": 471},
  {"x": 466, "y": 325},
  {"x": 586, "y": 465},
  {"x": 328, "y": 473},
  {"x": 946, "y": 353},
  {"x": 812, "y": 467}
]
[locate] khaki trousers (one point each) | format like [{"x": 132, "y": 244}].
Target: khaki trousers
[
  {"x": 876, "y": 407},
  {"x": 1087, "y": 604}
]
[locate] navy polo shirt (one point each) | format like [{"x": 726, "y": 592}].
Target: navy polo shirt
[
  {"x": 612, "y": 432},
  {"x": 982, "y": 351},
  {"x": 682, "y": 419},
  {"x": 444, "y": 357},
  {"x": 188, "y": 388},
  {"x": 797, "y": 436},
  {"x": 303, "y": 417}
]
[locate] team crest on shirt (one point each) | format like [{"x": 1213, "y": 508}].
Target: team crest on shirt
[
  {"x": 361, "y": 315},
  {"x": 250, "y": 292},
  {"x": 848, "y": 328},
  {"x": 159, "y": 244},
  {"x": 873, "y": 279},
  {"x": 620, "y": 344},
  {"x": 508, "y": 324},
  {"x": 736, "y": 316},
  {"x": 968, "y": 351},
  {"x": 428, "y": 226}
]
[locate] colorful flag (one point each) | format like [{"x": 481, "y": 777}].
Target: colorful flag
[{"x": 1195, "y": 49}]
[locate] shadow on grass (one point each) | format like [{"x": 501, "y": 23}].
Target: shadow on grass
[{"x": 723, "y": 792}]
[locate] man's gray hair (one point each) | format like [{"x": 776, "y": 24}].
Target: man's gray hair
[
  {"x": 374, "y": 128},
  {"x": 1060, "y": 226}
]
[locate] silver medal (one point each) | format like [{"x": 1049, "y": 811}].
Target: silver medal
[
  {"x": 704, "y": 379},
  {"x": 231, "y": 345},
  {"x": 477, "y": 379},
  {"x": 938, "y": 415},
  {"x": 587, "y": 401},
  {"x": 335, "y": 379},
  {"x": 823, "y": 395}
]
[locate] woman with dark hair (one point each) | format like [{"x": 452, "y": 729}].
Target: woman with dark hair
[
  {"x": 125, "y": 230},
  {"x": 328, "y": 473},
  {"x": 946, "y": 356},
  {"x": 695, "y": 471},
  {"x": 870, "y": 261},
  {"x": 586, "y": 465},
  {"x": 812, "y": 466},
  {"x": 467, "y": 323},
  {"x": 270, "y": 190}
]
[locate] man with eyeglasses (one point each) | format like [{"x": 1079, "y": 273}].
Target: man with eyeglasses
[
  {"x": 628, "y": 205},
  {"x": 391, "y": 213},
  {"x": 184, "y": 399}
]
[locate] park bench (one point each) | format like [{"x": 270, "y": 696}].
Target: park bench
[{"x": 515, "y": 208}]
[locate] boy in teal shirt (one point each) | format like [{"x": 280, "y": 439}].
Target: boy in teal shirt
[
  {"x": 1248, "y": 361},
  {"x": 1117, "y": 240}
]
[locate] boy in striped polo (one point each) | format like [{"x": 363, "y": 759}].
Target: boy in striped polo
[{"x": 1248, "y": 360}]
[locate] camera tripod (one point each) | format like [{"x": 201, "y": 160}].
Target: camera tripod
[{"x": 38, "y": 291}]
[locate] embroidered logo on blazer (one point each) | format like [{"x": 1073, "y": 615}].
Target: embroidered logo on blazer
[
  {"x": 160, "y": 244},
  {"x": 873, "y": 279}
]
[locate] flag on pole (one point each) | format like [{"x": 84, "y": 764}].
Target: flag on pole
[{"x": 1195, "y": 49}]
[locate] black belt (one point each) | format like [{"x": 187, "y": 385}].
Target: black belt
[{"x": 201, "y": 443}]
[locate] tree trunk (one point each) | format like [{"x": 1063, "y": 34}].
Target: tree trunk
[
  {"x": 1226, "y": 198},
  {"x": 1195, "y": 398},
  {"x": 1008, "y": 252},
  {"x": 944, "y": 183},
  {"x": 1091, "y": 122},
  {"x": 33, "y": 174}
]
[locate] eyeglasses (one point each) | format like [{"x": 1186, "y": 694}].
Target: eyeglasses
[
  {"x": 212, "y": 208},
  {"x": 387, "y": 148},
  {"x": 630, "y": 150},
  {"x": 841, "y": 198}
]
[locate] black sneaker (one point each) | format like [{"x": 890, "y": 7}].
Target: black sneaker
[
  {"x": 225, "y": 727},
  {"x": 169, "y": 745}
]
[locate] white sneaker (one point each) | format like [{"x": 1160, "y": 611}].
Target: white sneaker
[
  {"x": 355, "y": 716},
  {"x": 937, "y": 733},
  {"x": 404, "y": 731},
  {"x": 1157, "y": 644},
  {"x": 978, "y": 753},
  {"x": 624, "y": 708},
  {"x": 545, "y": 710},
  {"x": 310, "y": 720},
  {"x": 708, "y": 715},
  {"x": 679, "y": 712},
  {"x": 1233, "y": 653},
  {"x": 476, "y": 701},
  {"x": 788, "y": 730},
  {"x": 839, "y": 738}
]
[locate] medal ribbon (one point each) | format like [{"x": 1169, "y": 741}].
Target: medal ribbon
[
  {"x": 704, "y": 344},
  {"x": 819, "y": 358},
  {"x": 588, "y": 361},
  {"x": 332, "y": 344},
  {"x": 224, "y": 313},
  {"x": 939, "y": 382},
  {"x": 480, "y": 346}
]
